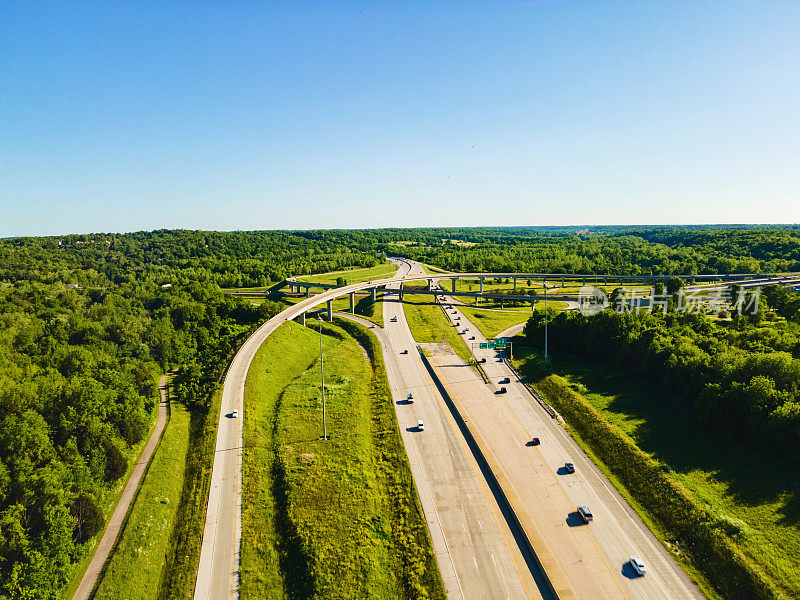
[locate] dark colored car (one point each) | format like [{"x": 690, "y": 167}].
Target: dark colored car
[
  {"x": 535, "y": 442},
  {"x": 506, "y": 380},
  {"x": 585, "y": 513},
  {"x": 502, "y": 390},
  {"x": 569, "y": 467},
  {"x": 472, "y": 337}
]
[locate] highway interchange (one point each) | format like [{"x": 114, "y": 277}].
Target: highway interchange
[{"x": 482, "y": 535}]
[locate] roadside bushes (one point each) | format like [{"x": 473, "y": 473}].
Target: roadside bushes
[{"x": 702, "y": 535}]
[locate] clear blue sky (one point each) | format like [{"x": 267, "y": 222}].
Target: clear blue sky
[{"x": 120, "y": 116}]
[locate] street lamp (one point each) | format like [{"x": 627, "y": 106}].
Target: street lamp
[
  {"x": 322, "y": 370},
  {"x": 545, "y": 323}
]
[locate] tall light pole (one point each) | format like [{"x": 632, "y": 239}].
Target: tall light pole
[
  {"x": 545, "y": 323},
  {"x": 322, "y": 370}
]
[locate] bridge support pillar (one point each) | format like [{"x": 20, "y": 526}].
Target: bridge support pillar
[
  {"x": 308, "y": 292},
  {"x": 584, "y": 281},
  {"x": 374, "y": 294},
  {"x": 430, "y": 281},
  {"x": 303, "y": 319},
  {"x": 330, "y": 310},
  {"x": 562, "y": 282},
  {"x": 352, "y": 303},
  {"x": 476, "y": 299},
  {"x": 501, "y": 304},
  {"x": 453, "y": 281},
  {"x": 515, "y": 283},
  {"x": 481, "y": 287}
]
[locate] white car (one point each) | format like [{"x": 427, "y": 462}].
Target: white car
[
  {"x": 235, "y": 413},
  {"x": 420, "y": 425},
  {"x": 638, "y": 565}
]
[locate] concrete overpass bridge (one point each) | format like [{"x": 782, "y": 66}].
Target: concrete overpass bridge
[{"x": 331, "y": 292}]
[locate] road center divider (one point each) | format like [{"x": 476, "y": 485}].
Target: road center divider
[{"x": 523, "y": 530}]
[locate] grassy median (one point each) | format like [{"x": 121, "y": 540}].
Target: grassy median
[
  {"x": 429, "y": 324},
  {"x": 318, "y": 516}
]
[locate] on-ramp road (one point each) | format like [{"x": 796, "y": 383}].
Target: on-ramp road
[{"x": 218, "y": 568}]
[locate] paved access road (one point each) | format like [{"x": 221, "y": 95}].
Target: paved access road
[
  {"x": 584, "y": 561},
  {"x": 92, "y": 575}
]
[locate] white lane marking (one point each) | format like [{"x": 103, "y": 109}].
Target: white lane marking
[{"x": 569, "y": 442}]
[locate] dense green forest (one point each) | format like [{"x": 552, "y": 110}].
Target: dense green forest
[
  {"x": 741, "y": 374},
  {"x": 87, "y": 322},
  {"x": 230, "y": 259},
  {"x": 660, "y": 251}
]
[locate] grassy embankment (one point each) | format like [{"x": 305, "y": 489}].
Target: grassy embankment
[
  {"x": 732, "y": 508},
  {"x": 384, "y": 271},
  {"x": 431, "y": 270},
  {"x": 108, "y": 501},
  {"x": 429, "y": 324},
  {"x": 492, "y": 322},
  {"x": 183, "y": 551},
  {"x": 137, "y": 565},
  {"x": 320, "y": 517}
]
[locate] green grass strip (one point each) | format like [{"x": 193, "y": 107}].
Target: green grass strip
[{"x": 137, "y": 564}]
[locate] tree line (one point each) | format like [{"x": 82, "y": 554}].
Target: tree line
[
  {"x": 620, "y": 251},
  {"x": 739, "y": 373}
]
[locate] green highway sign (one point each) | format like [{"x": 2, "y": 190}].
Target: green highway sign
[{"x": 498, "y": 343}]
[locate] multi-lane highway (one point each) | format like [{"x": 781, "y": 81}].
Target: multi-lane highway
[
  {"x": 453, "y": 498},
  {"x": 585, "y": 560},
  {"x": 475, "y": 549}
]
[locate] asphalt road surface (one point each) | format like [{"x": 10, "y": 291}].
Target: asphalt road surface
[
  {"x": 477, "y": 554},
  {"x": 433, "y": 452},
  {"x": 583, "y": 560}
]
